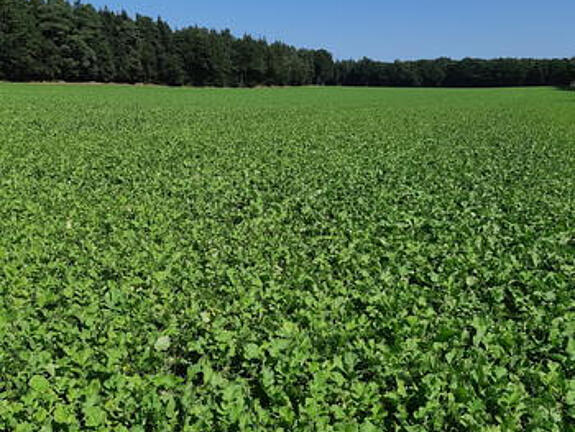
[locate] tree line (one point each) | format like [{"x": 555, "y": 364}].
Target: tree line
[{"x": 59, "y": 40}]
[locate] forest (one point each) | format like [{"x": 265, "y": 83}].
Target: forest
[{"x": 49, "y": 40}]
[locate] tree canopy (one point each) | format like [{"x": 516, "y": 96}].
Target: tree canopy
[{"x": 60, "y": 40}]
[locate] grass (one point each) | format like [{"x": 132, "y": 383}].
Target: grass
[{"x": 328, "y": 259}]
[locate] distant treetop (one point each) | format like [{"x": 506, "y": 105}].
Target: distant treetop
[{"x": 57, "y": 40}]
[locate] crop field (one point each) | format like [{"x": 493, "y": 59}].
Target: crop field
[{"x": 312, "y": 259}]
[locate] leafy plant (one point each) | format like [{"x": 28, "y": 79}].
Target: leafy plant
[{"x": 295, "y": 259}]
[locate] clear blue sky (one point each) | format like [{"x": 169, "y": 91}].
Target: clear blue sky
[{"x": 384, "y": 29}]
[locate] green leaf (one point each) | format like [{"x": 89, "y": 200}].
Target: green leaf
[
  {"x": 94, "y": 416},
  {"x": 39, "y": 383},
  {"x": 251, "y": 351},
  {"x": 571, "y": 348},
  {"x": 471, "y": 281},
  {"x": 63, "y": 415},
  {"x": 163, "y": 343}
]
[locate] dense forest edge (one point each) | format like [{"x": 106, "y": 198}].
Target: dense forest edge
[{"x": 48, "y": 40}]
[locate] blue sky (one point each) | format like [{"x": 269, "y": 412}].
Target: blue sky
[{"x": 385, "y": 29}]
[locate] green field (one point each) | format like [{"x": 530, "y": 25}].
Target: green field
[{"x": 313, "y": 259}]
